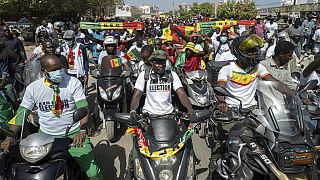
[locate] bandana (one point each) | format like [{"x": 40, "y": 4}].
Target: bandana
[
  {"x": 70, "y": 59},
  {"x": 56, "y": 105}
]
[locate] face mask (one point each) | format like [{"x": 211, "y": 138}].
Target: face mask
[
  {"x": 69, "y": 43},
  {"x": 223, "y": 39},
  {"x": 56, "y": 76}
]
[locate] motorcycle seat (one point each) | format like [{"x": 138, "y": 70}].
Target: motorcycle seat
[{"x": 163, "y": 130}]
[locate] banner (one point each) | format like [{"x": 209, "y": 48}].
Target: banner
[
  {"x": 123, "y": 11},
  {"x": 112, "y": 25},
  {"x": 205, "y": 26}
]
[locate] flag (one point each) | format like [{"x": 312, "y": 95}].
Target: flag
[
  {"x": 133, "y": 54},
  {"x": 112, "y": 25},
  {"x": 115, "y": 62},
  {"x": 181, "y": 60},
  {"x": 173, "y": 36}
]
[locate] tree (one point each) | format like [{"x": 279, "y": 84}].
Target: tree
[
  {"x": 237, "y": 11},
  {"x": 58, "y": 9}
]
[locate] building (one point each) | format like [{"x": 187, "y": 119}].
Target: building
[
  {"x": 149, "y": 11},
  {"x": 239, "y": 1},
  {"x": 184, "y": 6}
]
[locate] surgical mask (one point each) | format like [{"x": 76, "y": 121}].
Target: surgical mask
[
  {"x": 69, "y": 43},
  {"x": 56, "y": 76},
  {"x": 223, "y": 39}
]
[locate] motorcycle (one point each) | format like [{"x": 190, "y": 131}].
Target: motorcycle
[
  {"x": 200, "y": 95},
  {"x": 41, "y": 156},
  {"x": 161, "y": 150},
  {"x": 270, "y": 142},
  {"x": 111, "y": 95}
]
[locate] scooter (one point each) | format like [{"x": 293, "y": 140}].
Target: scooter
[
  {"x": 161, "y": 150},
  {"x": 269, "y": 142},
  {"x": 200, "y": 94},
  {"x": 41, "y": 156},
  {"x": 111, "y": 95}
]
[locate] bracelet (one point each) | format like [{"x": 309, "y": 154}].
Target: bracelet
[{"x": 83, "y": 130}]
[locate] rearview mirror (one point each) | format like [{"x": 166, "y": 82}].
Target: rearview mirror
[
  {"x": 79, "y": 114},
  {"x": 296, "y": 77},
  {"x": 221, "y": 91},
  {"x": 310, "y": 85}
]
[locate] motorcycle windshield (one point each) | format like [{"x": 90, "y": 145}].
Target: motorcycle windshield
[
  {"x": 32, "y": 71},
  {"x": 276, "y": 109},
  {"x": 110, "y": 67},
  {"x": 198, "y": 74}
]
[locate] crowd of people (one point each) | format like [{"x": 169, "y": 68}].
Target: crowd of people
[{"x": 261, "y": 51}]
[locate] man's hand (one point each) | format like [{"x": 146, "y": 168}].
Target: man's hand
[
  {"x": 78, "y": 139},
  {"x": 6, "y": 143},
  {"x": 223, "y": 107},
  {"x": 134, "y": 116},
  {"x": 85, "y": 79},
  {"x": 307, "y": 101}
]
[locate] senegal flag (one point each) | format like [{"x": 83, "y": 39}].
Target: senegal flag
[
  {"x": 116, "y": 62},
  {"x": 173, "y": 36},
  {"x": 132, "y": 54}
]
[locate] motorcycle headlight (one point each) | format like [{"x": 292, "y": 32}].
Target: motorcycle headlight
[
  {"x": 116, "y": 93},
  {"x": 103, "y": 93},
  {"x": 138, "y": 169},
  {"x": 167, "y": 161},
  {"x": 34, "y": 154},
  {"x": 166, "y": 175},
  {"x": 202, "y": 99},
  {"x": 190, "y": 170}
]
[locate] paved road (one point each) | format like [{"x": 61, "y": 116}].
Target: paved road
[{"x": 113, "y": 157}]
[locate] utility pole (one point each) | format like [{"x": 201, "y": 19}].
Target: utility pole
[
  {"x": 173, "y": 14},
  {"x": 215, "y": 8}
]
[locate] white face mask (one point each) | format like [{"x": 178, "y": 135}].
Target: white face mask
[
  {"x": 56, "y": 76},
  {"x": 223, "y": 39}
]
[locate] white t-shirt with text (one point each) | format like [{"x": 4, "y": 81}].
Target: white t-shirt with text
[
  {"x": 158, "y": 94},
  {"x": 40, "y": 96}
]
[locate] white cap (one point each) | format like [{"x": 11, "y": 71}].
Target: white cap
[{"x": 110, "y": 40}]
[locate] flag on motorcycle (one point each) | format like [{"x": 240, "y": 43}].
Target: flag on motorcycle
[
  {"x": 116, "y": 62},
  {"x": 133, "y": 54},
  {"x": 112, "y": 25},
  {"x": 19, "y": 118}
]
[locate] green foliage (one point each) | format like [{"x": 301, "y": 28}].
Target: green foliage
[
  {"x": 60, "y": 9},
  {"x": 237, "y": 11}
]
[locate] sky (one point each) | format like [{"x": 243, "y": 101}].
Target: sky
[{"x": 166, "y": 5}]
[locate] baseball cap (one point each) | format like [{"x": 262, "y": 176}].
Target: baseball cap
[
  {"x": 69, "y": 34},
  {"x": 158, "y": 55}
]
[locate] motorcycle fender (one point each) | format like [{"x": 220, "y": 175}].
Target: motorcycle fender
[
  {"x": 145, "y": 164},
  {"x": 183, "y": 168},
  {"x": 49, "y": 171},
  {"x": 244, "y": 172}
]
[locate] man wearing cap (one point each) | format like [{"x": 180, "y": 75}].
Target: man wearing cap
[
  {"x": 189, "y": 59},
  {"x": 158, "y": 84},
  {"x": 76, "y": 56}
]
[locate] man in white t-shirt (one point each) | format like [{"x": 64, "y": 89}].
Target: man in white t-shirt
[
  {"x": 240, "y": 78},
  {"x": 316, "y": 39},
  {"x": 57, "y": 96},
  {"x": 158, "y": 88}
]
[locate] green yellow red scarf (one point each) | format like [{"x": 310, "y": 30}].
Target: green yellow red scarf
[{"x": 56, "y": 105}]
